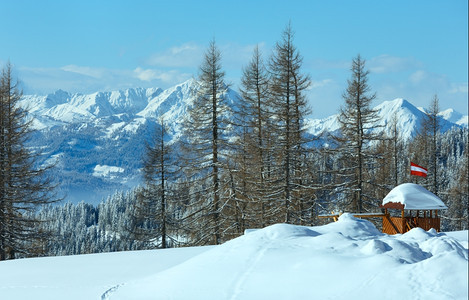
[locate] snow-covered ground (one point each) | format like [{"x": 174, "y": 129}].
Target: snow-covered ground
[{"x": 348, "y": 259}]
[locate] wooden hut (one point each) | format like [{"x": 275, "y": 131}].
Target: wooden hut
[{"x": 418, "y": 208}]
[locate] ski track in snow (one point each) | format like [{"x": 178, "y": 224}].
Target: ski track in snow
[
  {"x": 107, "y": 294},
  {"x": 243, "y": 277}
]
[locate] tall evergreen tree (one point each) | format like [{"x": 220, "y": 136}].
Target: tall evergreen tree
[
  {"x": 430, "y": 129},
  {"x": 357, "y": 123},
  {"x": 287, "y": 86},
  {"x": 391, "y": 162},
  {"x": 206, "y": 143},
  {"x": 254, "y": 117},
  {"x": 23, "y": 185},
  {"x": 425, "y": 147},
  {"x": 154, "y": 219}
]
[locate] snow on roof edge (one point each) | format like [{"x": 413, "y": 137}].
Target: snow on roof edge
[{"x": 413, "y": 197}]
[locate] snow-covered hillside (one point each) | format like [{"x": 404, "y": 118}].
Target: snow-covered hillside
[
  {"x": 348, "y": 259},
  {"x": 98, "y": 140}
]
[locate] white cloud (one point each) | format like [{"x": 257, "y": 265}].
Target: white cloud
[
  {"x": 185, "y": 55},
  {"x": 425, "y": 80},
  {"x": 320, "y": 83},
  {"x": 83, "y": 79},
  {"x": 418, "y": 76},
  {"x": 387, "y": 63},
  {"x": 190, "y": 55},
  {"x": 237, "y": 56},
  {"x": 171, "y": 77},
  {"x": 459, "y": 88},
  {"x": 420, "y": 86},
  {"x": 87, "y": 71},
  {"x": 184, "y": 49},
  {"x": 145, "y": 75}
]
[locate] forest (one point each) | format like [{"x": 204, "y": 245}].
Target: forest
[{"x": 235, "y": 167}]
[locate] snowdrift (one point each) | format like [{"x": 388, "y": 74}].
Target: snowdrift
[{"x": 348, "y": 259}]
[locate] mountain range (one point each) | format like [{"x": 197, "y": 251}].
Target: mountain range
[{"x": 97, "y": 140}]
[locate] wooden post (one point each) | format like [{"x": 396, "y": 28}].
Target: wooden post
[{"x": 403, "y": 222}]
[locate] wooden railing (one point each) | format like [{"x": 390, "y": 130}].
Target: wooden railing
[
  {"x": 424, "y": 223},
  {"x": 356, "y": 215},
  {"x": 394, "y": 225}
]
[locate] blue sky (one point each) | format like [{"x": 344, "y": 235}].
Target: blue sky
[{"x": 414, "y": 49}]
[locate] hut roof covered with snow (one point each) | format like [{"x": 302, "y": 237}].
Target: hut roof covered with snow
[{"x": 411, "y": 196}]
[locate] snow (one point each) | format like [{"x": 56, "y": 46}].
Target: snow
[
  {"x": 111, "y": 129},
  {"x": 83, "y": 276},
  {"x": 461, "y": 236},
  {"x": 455, "y": 117},
  {"x": 464, "y": 121},
  {"x": 407, "y": 116},
  {"x": 152, "y": 103},
  {"x": 348, "y": 259},
  {"x": 414, "y": 196},
  {"x": 105, "y": 171},
  {"x": 320, "y": 126}
]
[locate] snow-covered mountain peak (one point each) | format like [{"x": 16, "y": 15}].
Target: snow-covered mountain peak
[
  {"x": 398, "y": 107},
  {"x": 131, "y": 100},
  {"x": 454, "y": 117},
  {"x": 400, "y": 111},
  {"x": 402, "y": 106},
  {"x": 62, "y": 106},
  {"x": 171, "y": 103},
  {"x": 110, "y": 129},
  {"x": 448, "y": 113}
]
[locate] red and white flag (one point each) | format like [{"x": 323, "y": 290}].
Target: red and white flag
[{"x": 417, "y": 170}]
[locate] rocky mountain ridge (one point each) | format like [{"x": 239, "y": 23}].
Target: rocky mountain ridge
[{"x": 97, "y": 140}]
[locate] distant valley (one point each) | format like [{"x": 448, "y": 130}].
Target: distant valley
[{"x": 97, "y": 140}]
